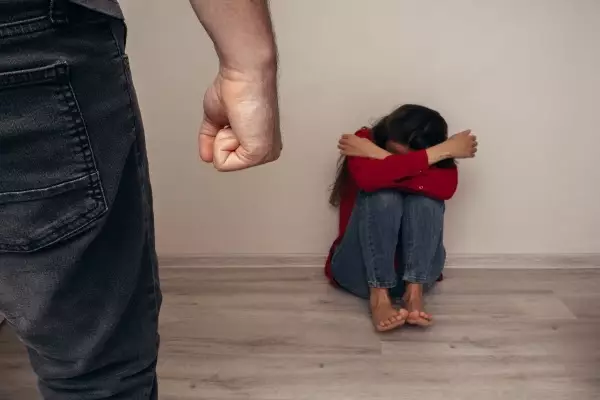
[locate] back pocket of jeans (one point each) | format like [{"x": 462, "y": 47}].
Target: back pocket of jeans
[{"x": 50, "y": 188}]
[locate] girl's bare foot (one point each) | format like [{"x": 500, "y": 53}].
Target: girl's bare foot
[
  {"x": 385, "y": 317},
  {"x": 413, "y": 298}
]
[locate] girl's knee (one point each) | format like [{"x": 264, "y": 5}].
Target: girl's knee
[
  {"x": 384, "y": 199},
  {"x": 415, "y": 203}
]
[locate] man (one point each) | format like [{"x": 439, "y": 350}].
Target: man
[{"x": 78, "y": 270}]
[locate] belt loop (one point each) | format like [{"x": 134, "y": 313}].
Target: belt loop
[{"x": 58, "y": 11}]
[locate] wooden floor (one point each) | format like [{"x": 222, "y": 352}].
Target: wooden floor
[{"x": 283, "y": 334}]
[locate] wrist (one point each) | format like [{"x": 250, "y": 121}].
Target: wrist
[
  {"x": 439, "y": 153},
  {"x": 262, "y": 64},
  {"x": 265, "y": 74},
  {"x": 381, "y": 154}
]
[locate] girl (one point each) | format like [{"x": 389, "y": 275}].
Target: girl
[{"x": 390, "y": 188}]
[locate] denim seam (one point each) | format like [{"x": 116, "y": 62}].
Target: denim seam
[
  {"x": 424, "y": 272},
  {"x": 141, "y": 174},
  {"x": 374, "y": 281},
  {"x": 384, "y": 284},
  {"x": 342, "y": 245},
  {"x": 417, "y": 279},
  {"x": 96, "y": 188},
  {"x": 65, "y": 231},
  {"x": 407, "y": 250},
  {"x": 55, "y": 13},
  {"x": 369, "y": 245},
  {"x": 28, "y": 26},
  {"x": 80, "y": 133},
  {"x": 32, "y": 194}
]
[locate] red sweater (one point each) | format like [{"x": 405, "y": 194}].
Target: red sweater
[{"x": 408, "y": 173}]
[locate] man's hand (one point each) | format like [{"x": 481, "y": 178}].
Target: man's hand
[
  {"x": 241, "y": 115},
  {"x": 241, "y": 121}
]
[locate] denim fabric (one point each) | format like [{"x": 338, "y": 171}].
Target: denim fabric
[
  {"x": 78, "y": 269},
  {"x": 108, "y": 7},
  {"x": 386, "y": 226}
]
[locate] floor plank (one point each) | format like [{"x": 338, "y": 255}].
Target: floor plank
[{"x": 284, "y": 334}]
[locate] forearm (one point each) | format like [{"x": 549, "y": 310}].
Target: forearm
[
  {"x": 437, "y": 183},
  {"x": 438, "y": 153},
  {"x": 435, "y": 154},
  {"x": 376, "y": 174},
  {"x": 242, "y": 33}
]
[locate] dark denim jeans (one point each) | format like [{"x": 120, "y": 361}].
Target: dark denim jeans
[
  {"x": 78, "y": 269},
  {"x": 384, "y": 227}
]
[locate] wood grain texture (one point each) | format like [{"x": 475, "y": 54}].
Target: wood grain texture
[{"x": 285, "y": 334}]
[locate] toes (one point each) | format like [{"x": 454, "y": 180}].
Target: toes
[
  {"x": 419, "y": 322},
  {"x": 419, "y": 318},
  {"x": 389, "y": 323},
  {"x": 388, "y": 319},
  {"x": 383, "y": 325}
]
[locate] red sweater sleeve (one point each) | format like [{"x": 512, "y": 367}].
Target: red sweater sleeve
[
  {"x": 372, "y": 175},
  {"x": 409, "y": 172},
  {"x": 437, "y": 183}
]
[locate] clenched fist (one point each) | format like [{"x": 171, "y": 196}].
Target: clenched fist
[{"x": 241, "y": 121}]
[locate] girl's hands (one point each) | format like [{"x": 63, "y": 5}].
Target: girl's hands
[
  {"x": 354, "y": 146},
  {"x": 462, "y": 145}
]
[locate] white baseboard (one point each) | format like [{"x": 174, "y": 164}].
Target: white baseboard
[
  {"x": 243, "y": 260},
  {"x": 472, "y": 261}
]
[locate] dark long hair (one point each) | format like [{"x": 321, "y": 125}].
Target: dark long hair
[{"x": 411, "y": 125}]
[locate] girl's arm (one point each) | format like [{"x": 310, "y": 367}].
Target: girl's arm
[
  {"x": 406, "y": 172},
  {"x": 374, "y": 168},
  {"x": 437, "y": 183},
  {"x": 461, "y": 145},
  {"x": 372, "y": 175}
]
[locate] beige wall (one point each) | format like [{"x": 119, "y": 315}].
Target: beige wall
[{"x": 524, "y": 74}]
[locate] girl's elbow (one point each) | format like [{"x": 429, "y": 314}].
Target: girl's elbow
[
  {"x": 364, "y": 183},
  {"x": 449, "y": 194}
]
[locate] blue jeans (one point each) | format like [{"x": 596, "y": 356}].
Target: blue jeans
[
  {"x": 385, "y": 226},
  {"x": 78, "y": 269}
]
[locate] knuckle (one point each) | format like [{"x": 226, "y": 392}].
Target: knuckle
[{"x": 275, "y": 155}]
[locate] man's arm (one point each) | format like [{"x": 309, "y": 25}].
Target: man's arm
[
  {"x": 241, "y": 112},
  {"x": 241, "y": 31}
]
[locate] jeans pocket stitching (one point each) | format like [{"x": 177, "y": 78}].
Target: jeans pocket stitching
[
  {"x": 29, "y": 26},
  {"x": 81, "y": 133},
  {"x": 58, "y": 74}
]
